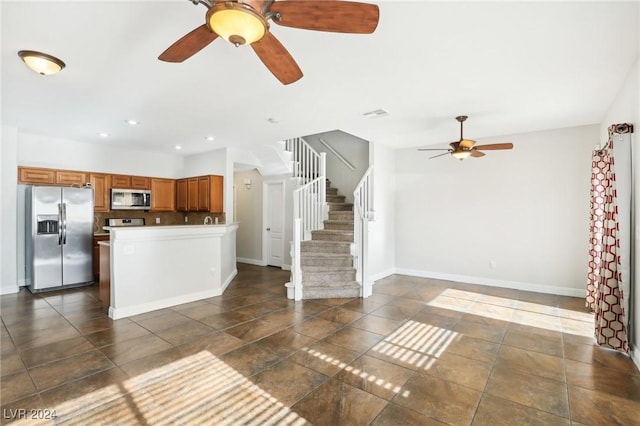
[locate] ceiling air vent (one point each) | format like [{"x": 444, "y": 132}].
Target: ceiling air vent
[{"x": 376, "y": 113}]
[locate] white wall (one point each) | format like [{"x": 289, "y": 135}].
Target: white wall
[
  {"x": 382, "y": 228},
  {"x": 43, "y": 151},
  {"x": 524, "y": 209},
  {"x": 354, "y": 149},
  {"x": 8, "y": 210},
  {"x": 626, "y": 109}
]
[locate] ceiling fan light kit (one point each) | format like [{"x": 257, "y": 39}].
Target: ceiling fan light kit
[
  {"x": 465, "y": 148},
  {"x": 41, "y": 63},
  {"x": 237, "y": 23}
]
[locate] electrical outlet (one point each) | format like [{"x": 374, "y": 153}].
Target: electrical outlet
[
  {"x": 186, "y": 219},
  {"x": 157, "y": 221}
]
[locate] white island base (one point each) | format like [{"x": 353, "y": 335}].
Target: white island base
[{"x": 155, "y": 267}]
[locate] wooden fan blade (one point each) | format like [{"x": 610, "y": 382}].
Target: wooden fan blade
[
  {"x": 277, "y": 59},
  {"x": 440, "y": 155},
  {"x": 189, "y": 45},
  {"x": 495, "y": 146},
  {"x": 454, "y": 145},
  {"x": 328, "y": 15},
  {"x": 476, "y": 154}
]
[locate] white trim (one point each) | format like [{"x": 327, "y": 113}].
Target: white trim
[
  {"x": 9, "y": 290},
  {"x": 381, "y": 275},
  {"x": 265, "y": 233},
  {"x": 537, "y": 288},
  {"x": 230, "y": 278},
  {"x": 634, "y": 353},
  {"x": 257, "y": 262},
  {"x": 117, "y": 313},
  {"x": 286, "y": 267}
]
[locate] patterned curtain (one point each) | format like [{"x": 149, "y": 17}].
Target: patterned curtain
[{"x": 604, "y": 294}]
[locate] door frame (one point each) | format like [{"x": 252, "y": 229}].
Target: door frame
[{"x": 265, "y": 234}]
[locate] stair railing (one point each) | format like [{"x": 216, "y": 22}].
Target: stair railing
[
  {"x": 309, "y": 201},
  {"x": 363, "y": 209}
]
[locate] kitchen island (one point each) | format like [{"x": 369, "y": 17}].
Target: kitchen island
[{"x": 155, "y": 267}]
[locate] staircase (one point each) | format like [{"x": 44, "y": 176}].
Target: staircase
[{"x": 326, "y": 260}]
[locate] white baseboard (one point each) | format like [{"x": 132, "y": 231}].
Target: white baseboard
[
  {"x": 9, "y": 290},
  {"x": 635, "y": 356},
  {"x": 537, "y": 288},
  {"x": 381, "y": 275},
  {"x": 230, "y": 278},
  {"x": 286, "y": 267},
  {"x": 251, "y": 261},
  {"x": 127, "y": 311}
]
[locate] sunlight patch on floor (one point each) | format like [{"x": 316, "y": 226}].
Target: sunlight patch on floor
[{"x": 198, "y": 389}]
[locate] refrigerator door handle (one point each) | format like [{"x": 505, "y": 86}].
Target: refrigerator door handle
[
  {"x": 60, "y": 224},
  {"x": 64, "y": 223}
]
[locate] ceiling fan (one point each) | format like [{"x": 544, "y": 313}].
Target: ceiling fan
[
  {"x": 242, "y": 22},
  {"x": 466, "y": 147}
]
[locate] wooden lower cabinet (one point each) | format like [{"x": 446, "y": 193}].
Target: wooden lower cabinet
[
  {"x": 163, "y": 195},
  {"x": 96, "y": 255},
  {"x": 104, "y": 285}
]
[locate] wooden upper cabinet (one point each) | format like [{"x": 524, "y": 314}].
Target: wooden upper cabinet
[
  {"x": 35, "y": 175},
  {"x": 163, "y": 195},
  {"x": 182, "y": 195},
  {"x": 216, "y": 192},
  {"x": 65, "y": 177},
  {"x": 203, "y": 194},
  {"x": 100, "y": 184},
  {"x": 192, "y": 197},
  {"x": 120, "y": 181},
  {"x": 140, "y": 182}
]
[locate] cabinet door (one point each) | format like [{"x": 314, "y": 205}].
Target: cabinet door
[
  {"x": 121, "y": 181},
  {"x": 163, "y": 195},
  {"x": 216, "y": 192},
  {"x": 181, "y": 195},
  {"x": 65, "y": 177},
  {"x": 203, "y": 194},
  {"x": 140, "y": 182},
  {"x": 192, "y": 198},
  {"x": 100, "y": 185},
  {"x": 35, "y": 175}
]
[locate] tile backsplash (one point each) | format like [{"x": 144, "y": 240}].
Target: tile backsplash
[{"x": 166, "y": 218}]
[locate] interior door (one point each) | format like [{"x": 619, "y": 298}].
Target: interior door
[{"x": 274, "y": 223}]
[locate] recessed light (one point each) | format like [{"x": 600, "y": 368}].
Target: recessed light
[
  {"x": 178, "y": 147},
  {"x": 210, "y": 138},
  {"x": 103, "y": 134},
  {"x": 132, "y": 122}
]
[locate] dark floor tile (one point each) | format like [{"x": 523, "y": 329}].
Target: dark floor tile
[
  {"x": 16, "y": 386},
  {"x": 354, "y": 339},
  {"x": 253, "y": 330},
  {"x": 288, "y": 381},
  {"x": 530, "y": 390},
  {"x": 55, "y": 351},
  {"x": 363, "y": 305},
  {"x": 398, "y": 313},
  {"x": 458, "y": 369},
  {"x": 310, "y": 308},
  {"x": 43, "y": 337},
  {"x": 395, "y": 415},
  {"x": 324, "y": 357},
  {"x": 536, "y": 363},
  {"x": 470, "y": 347},
  {"x": 11, "y": 363},
  {"x": 492, "y": 333},
  {"x": 250, "y": 359},
  {"x": 444, "y": 401},
  {"x": 154, "y": 361},
  {"x": 377, "y": 324},
  {"x": 218, "y": 343},
  {"x": 74, "y": 397},
  {"x": 68, "y": 369},
  {"x": 543, "y": 344},
  {"x": 599, "y": 356},
  {"x": 317, "y": 327},
  {"x": 340, "y": 315},
  {"x": 98, "y": 324},
  {"x": 185, "y": 332},
  {"x": 494, "y": 411},
  {"x": 128, "y": 350},
  {"x": 375, "y": 376},
  {"x": 592, "y": 407},
  {"x": 602, "y": 379},
  {"x": 225, "y": 320},
  {"x": 118, "y": 333},
  {"x": 336, "y": 403},
  {"x": 161, "y": 320},
  {"x": 199, "y": 309},
  {"x": 285, "y": 342},
  {"x": 19, "y": 412}
]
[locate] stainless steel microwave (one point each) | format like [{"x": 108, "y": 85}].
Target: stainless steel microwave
[{"x": 130, "y": 199}]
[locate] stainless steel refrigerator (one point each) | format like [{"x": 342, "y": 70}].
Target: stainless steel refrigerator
[{"x": 59, "y": 236}]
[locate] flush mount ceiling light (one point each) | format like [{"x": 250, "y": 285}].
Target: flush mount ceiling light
[
  {"x": 210, "y": 138},
  {"x": 238, "y": 23},
  {"x": 132, "y": 122},
  {"x": 40, "y": 62}
]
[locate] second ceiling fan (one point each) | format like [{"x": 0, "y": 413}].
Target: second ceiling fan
[
  {"x": 243, "y": 22},
  {"x": 465, "y": 148}
]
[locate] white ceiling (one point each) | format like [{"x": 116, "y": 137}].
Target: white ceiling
[{"x": 512, "y": 66}]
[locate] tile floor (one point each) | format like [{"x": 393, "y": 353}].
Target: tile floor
[{"x": 417, "y": 352}]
